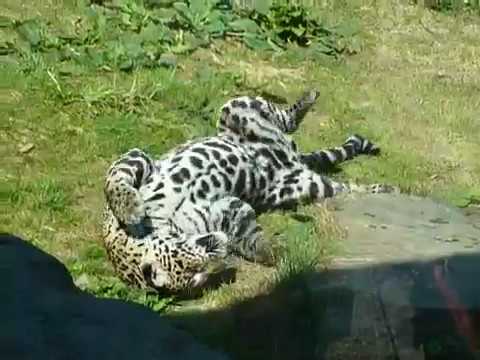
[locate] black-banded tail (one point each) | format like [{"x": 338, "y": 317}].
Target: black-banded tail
[{"x": 325, "y": 159}]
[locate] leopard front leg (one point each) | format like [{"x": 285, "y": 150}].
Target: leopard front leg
[
  {"x": 228, "y": 215},
  {"x": 237, "y": 219},
  {"x": 288, "y": 120},
  {"x": 180, "y": 261}
]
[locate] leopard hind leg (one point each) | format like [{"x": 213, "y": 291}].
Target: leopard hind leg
[
  {"x": 122, "y": 183},
  {"x": 238, "y": 220},
  {"x": 237, "y": 114}
]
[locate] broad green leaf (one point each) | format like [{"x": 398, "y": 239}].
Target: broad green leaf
[
  {"x": 354, "y": 46},
  {"x": 163, "y": 15},
  {"x": 300, "y": 31},
  {"x": 159, "y": 3},
  {"x": 262, "y": 6},
  {"x": 167, "y": 36},
  {"x": 296, "y": 13},
  {"x": 126, "y": 19},
  {"x": 184, "y": 11},
  {"x": 95, "y": 57},
  {"x": 51, "y": 56},
  {"x": 151, "y": 33},
  {"x": 227, "y": 17},
  {"x": 181, "y": 7},
  {"x": 87, "y": 58},
  {"x": 320, "y": 47},
  {"x": 167, "y": 60},
  {"x": 215, "y": 15},
  {"x": 197, "y": 40},
  {"x": 188, "y": 44},
  {"x": 200, "y": 7},
  {"x": 101, "y": 23},
  {"x": 126, "y": 65},
  {"x": 256, "y": 43},
  {"x": 245, "y": 25},
  {"x": 132, "y": 46},
  {"x": 51, "y": 42},
  {"x": 274, "y": 45},
  {"x": 30, "y": 30},
  {"x": 67, "y": 53},
  {"x": 121, "y": 3},
  {"x": 216, "y": 27},
  {"x": 152, "y": 52},
  {"x": 68, "y": 69},
  {"x": 180, "y": 49}
]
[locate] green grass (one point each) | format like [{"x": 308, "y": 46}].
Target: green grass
[{"x": 412, "y": 91}]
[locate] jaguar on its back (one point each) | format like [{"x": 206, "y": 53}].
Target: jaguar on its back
[{"x": 167, "y": 220}]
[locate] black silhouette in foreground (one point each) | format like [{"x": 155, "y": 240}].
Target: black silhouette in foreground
[
  {"x": 412, "y": 310},
  {"x": 44, "y": 316}
]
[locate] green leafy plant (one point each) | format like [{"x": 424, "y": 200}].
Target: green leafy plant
[
  {"x": 200, "y": 16},
  {"x": 275, "y": 27},
  {"x": 290, "y": 24},
  {"x": 452, "y": 5},
  {"x": 127, "y": 34}
]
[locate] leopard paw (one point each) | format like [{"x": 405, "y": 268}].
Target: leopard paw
[
  {"x": 362, "y": 145},
  {"x": 382, "y": 189},
  {"x": 214, "y": 244}
]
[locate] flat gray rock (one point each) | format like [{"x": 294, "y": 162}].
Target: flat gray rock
[
  {"x": 396, "y": 228},
  {"x": 44, "y": 316},
  {"x": 409, "y": 266}
]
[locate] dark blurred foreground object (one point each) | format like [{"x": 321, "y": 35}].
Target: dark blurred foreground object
[{"x": 44, "y": 316}]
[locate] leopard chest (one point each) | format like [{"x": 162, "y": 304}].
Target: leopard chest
[{"x": 201, "y": 173}]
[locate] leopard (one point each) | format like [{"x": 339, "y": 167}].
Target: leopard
[{"x": 168, "y": 220}]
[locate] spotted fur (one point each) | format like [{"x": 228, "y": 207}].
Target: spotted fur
[{"x": 167, "y": 220}]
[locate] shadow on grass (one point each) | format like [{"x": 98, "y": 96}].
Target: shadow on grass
[{"x": 415, "y": 310}]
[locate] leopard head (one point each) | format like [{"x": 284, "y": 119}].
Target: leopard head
[{"x": 184, "y": 266}]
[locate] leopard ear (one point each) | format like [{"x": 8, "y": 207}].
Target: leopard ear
[{"x": 213, "y": 243}]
